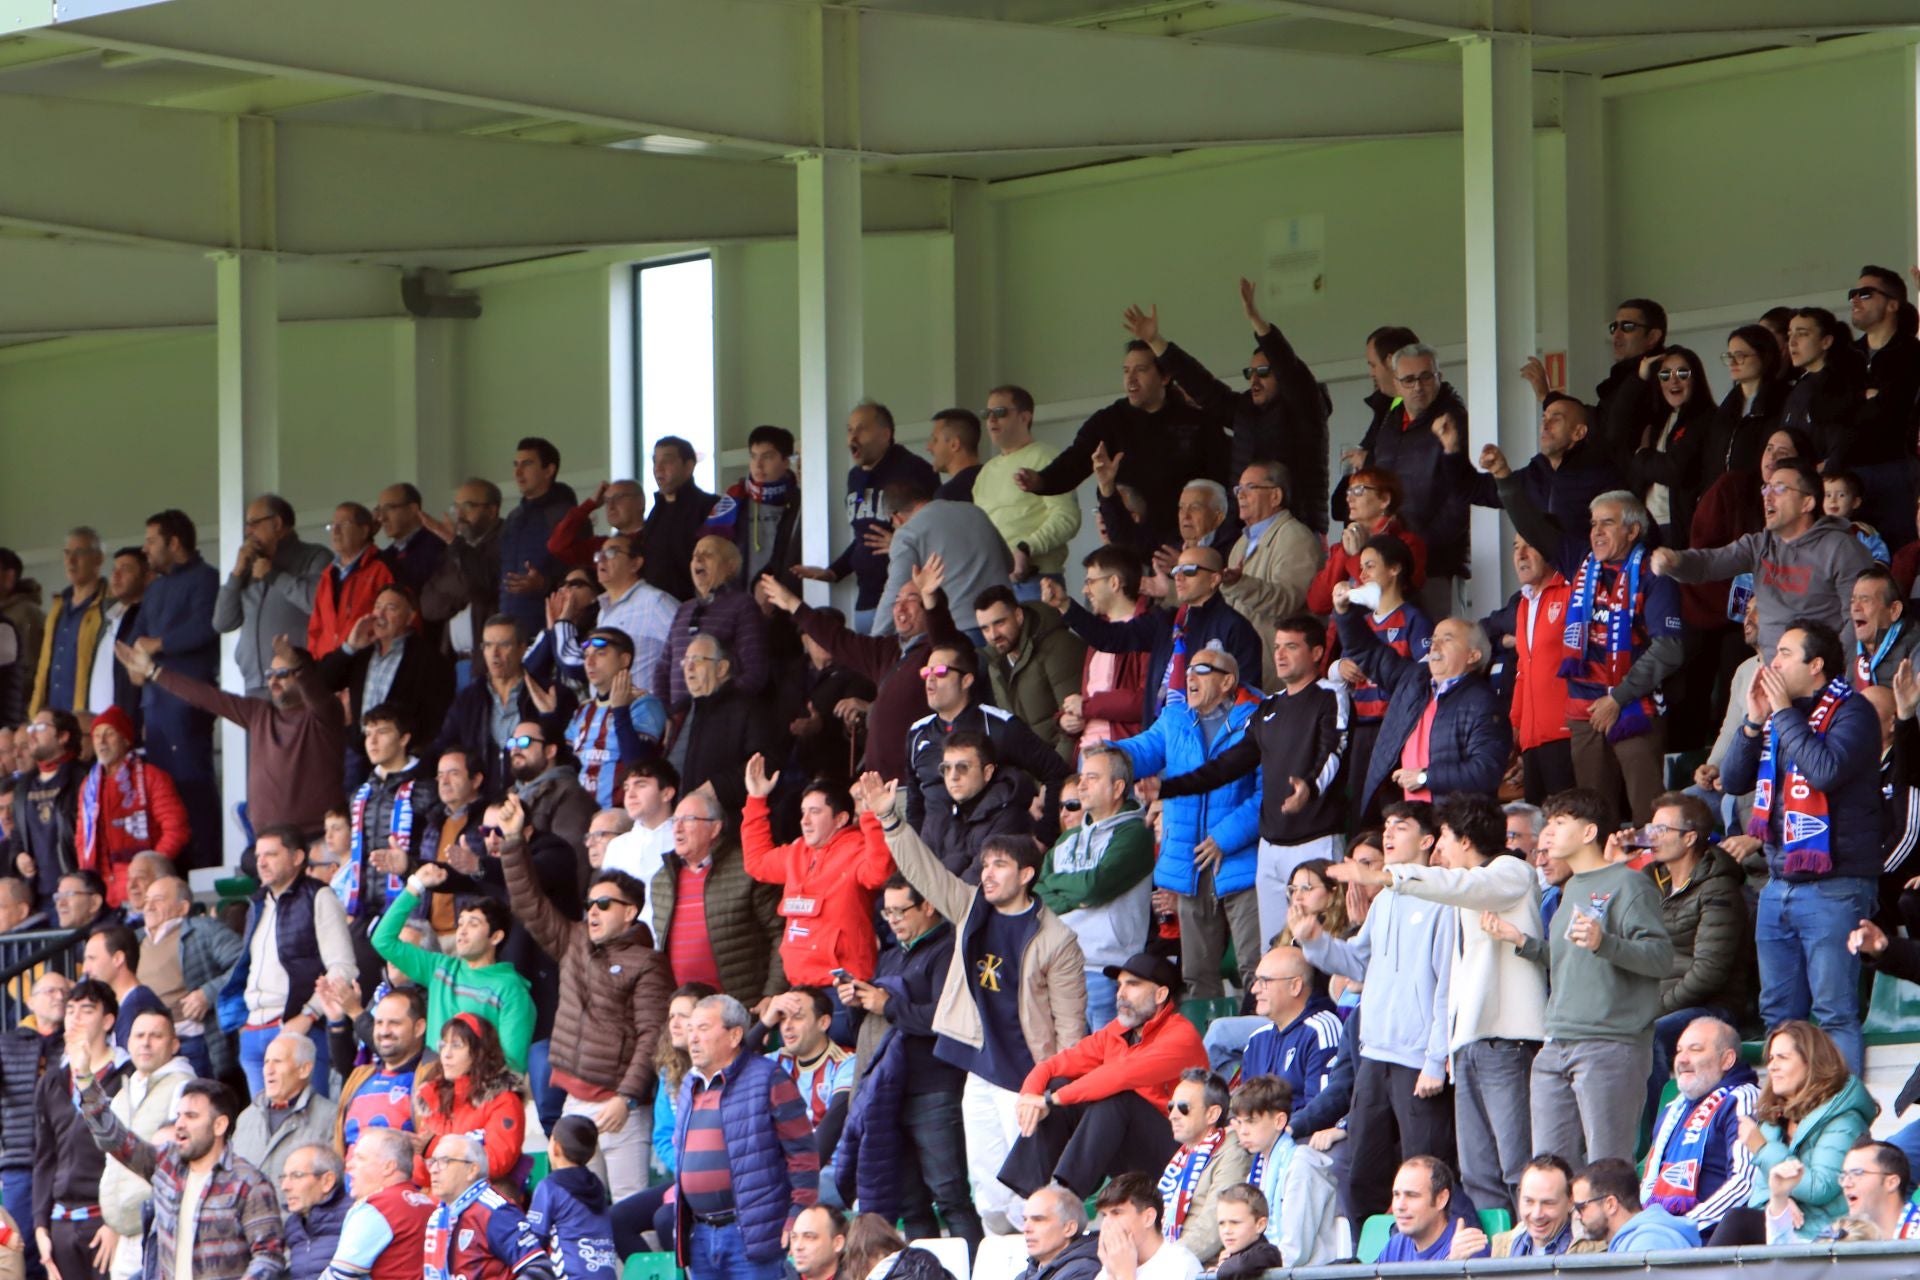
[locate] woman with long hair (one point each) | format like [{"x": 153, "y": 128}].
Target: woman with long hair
[
  {"x": 1312, "y": 889},
  {"x": 1826, "y": 396},
  {"x": 1399, "y": 624},
  {"x": 1812, "y": 1110},
  {"x": 470, "y": 1090},
  {"x": 875, "y": 1251},
  {"x": 1749, "y": 409},
  {"x": 1666, "y": 463}
]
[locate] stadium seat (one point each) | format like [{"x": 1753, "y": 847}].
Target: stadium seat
[
  {"x": 952, "y": 1252},
  {"x": 650, "y": 1266},
  {"x": 1202, "y": 1012},
  {"x": 1373, "y": 1237},
  {"x": 1494, "y": 1221}
]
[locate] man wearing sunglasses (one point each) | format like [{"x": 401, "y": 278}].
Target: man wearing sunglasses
[
  {"x": 1625, "y": 402},
  {"x": 1207, "y": 1159},
  {"x": 1038, "y": 528},
  {"x": 1876, "y": 306},
  {"x": 621, "y": 722},
  {"x": 614, "y": 991},
  {"x": 547, "y": 783}
]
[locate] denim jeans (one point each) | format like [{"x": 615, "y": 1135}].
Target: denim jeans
[
  {"x": 1102, "y": 999},
  {"x": 253, "y": 1053},
  {"x": 194, "y": 1050},
  {"x": 720, "y": 1253},
  {"x": 931, "y": 1125},
  {"x": 16, "y": 1192},
  {"x": 1805, "y": 968},
  {"x": 547, "y": 1099},
  {"x": 1907, "y": 1139}
]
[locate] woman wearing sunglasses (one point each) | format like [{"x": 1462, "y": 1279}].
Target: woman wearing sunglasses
[{"x": 1665, "y": 472}]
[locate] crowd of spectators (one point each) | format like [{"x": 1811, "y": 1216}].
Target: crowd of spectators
[{"x": 1240, "y": 889}]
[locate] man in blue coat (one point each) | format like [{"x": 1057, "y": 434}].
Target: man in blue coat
[
  {"x": 176, "y": 627},
  {"x": 1444, "y": 730},
  {"x": 1214, "y": 836},
  {"x": 528, "y": 571}
]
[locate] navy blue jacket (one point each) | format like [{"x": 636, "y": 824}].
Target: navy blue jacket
[
  {"x": 313, "y": 1236},
  {"x": 1330, "y": 1104},
  {"x": 1843, "y": 764},
  {"x": 569, "y": 1214},
  {"x": 523, "y": 542},
  {"x": 1564, "y": 492},
  {"x": 770, "y": 1182},
  {"x": 1152, "y": 633},
  {"x": 1301, "y": 1053},
  {"x": 469, "y": 726},
  {"x": 1434, "y": 506},
  {"x": 178, "y": 608},
  {"x": 869, "y": 1159},
  {"x": 867, "y": 509},
  {"x": 1472, "y": 736}
]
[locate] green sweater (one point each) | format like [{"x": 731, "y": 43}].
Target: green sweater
[
  {"x": 1098, "y": 879},
  {"x": 1612, "y": 993},
  {"x": 497, "y": 992}
]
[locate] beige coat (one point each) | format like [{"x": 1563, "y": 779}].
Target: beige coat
[
  {"x": 1053, "y": 979},
  {"x": 1201, "y": 1233},
  {"x": 1273, "y": 581}
]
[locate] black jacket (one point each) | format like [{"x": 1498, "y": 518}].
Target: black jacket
[
  {"x": 1261, "y": 1255},
  {"x": 24, "y": 1054},
  {"x": 1080, "y": 1260},
  {"x": 668, "y": 536},
  {"x": 1825, "y": 405},
  {"x": 1678, "y": 467},
  {"x": 956, "y": 832},
  {"x": 1020, "y": 750},
  {"x": 1901, "y": 960},
  {"x": 1434, "y": 507},
  {"x": 716, "y": 738},
  {"x": 1564, "y": 492},
  {"x": 69, "y": 1166},
  {"x": 1739, "y": 437},
  {"x": 1151, "y": 633},
  {"x": 1290, "y": 429},
  {"x": 313, "y": 1236},
  {"x": 468, "y": 725},
  {"x": 422, "y": 688},
  {"x": 1163, "y": 449},
  {"x": 1884, "y": 419},
  {"x": 468, "y": 578},
  {"x": 49, "y": 864},
  {"x": 1625, "y": 405},
  {"x": 913, "y": 978},
  {"x": 1301, "y": 735}
]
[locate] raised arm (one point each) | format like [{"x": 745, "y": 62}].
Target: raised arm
[{"x": 530, "y": 902}]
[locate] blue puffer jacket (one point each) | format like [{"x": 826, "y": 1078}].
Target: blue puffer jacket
[
  {"x": 1172, "y": 745},
  {"x": 569, "y": 1214},
  {"x": 867, "y": 1161},
  {"x": 763, "y": 1191}
]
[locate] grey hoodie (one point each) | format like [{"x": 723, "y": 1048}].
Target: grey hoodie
[
  {"x": 145, "y": 1107},
  {"x": 1809, "y": 577}
]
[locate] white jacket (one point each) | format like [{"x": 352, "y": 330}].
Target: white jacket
[
  {"x": 1495, "y": 994},
  {"x": 1302, "y": 1208},
  {"x": 145, "y": 1107}
]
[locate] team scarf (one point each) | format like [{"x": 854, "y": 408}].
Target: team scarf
[
  {"x": 726, "y": 512},
  {"x": 1676, "y": 1181},
  {"x": 1175, "y": 676},
  {"x": 588, "y": 738},
  {"x": 1624, "y": 599},
  {"x": 89, "y": 838},
  {"x": 1909, "y": 1228},
  {"x": 818, "y": 1086},
  {"x": 1803, "y": 823},
  {"x": 1180, "y": 1177},
  {"x": 347, "y": 883},
  {"x": 1863, "y": 666},
  {"x": 440, "y": 1227}
]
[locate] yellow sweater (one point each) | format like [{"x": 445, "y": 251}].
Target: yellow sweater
[{"x": 1046, "y": 525}]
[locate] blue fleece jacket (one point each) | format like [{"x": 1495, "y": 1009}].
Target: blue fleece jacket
[{"x": 1654, "y": 1230}]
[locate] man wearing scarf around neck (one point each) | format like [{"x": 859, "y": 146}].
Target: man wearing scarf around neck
[
  {"x": 1208, "y": 1159},
  {"x": 761, "y": 511},
  {"x": 475, "y": 1233},
  {"x": 1810, "y": 752}
]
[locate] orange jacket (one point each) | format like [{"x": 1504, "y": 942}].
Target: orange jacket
[
  {"x": 826, "y": 896},
  {"x": 1106, "y": 1062},
  {"x": 1539, "y": 690},
  {"x": 338, "y": 605}
]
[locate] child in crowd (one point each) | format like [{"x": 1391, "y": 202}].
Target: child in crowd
[
  {"x": 1845, "y": 495},
  {"x": 569, "y": 1211},
  {"x": 1241, "y": 1214}
]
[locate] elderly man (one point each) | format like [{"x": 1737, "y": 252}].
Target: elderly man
[
  {"x": 742, "y": 1173},
  {"x": 296, "y": 739},
  {"x": 1097, "y": 877},
  {"x": 1275, "y": 559},
  {"x": 348, "y": 587},
  {"x": 288, "y": 1113},
  {"x": 1444, "y": 730},
  {"x": 313, "y": 1189},
  {"x": 1697, "y": 1167},
  {"x": 465, "y": 590},
  {"x": 1882, "y": 634},
  {"x": 271, "y": 589},
  {"x": 627, "y": 603},
  {"x": 1208, "y": 1158},
  {"x": 1201, "y": 617},
  {"x": 384, "y": 1234},
  {"x": 72, "y": 634},
  {"x": 717, "y": 924},
  {"x": 1033, "y": 661},
  {"x": 184, "y": 959},
  {"x": 126, "y": 806},
  {"x": 474, "y": 1230},
  {"x": 215, "y": 1216},
  {"x": 1059, "y": 1246},
  {"x": 720, "y": 608},
  {"x": 1098, "y": 1108},
  {"x": 1200, "y": 517},
  {"x": 384, "y": 662},
  {"x": 573, "y": 541},
  {"x": 723, "y": 727},
  {"x": 1209, "y": 842}
]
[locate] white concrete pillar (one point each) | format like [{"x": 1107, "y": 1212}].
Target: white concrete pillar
[
  {"x": 832, "y": 374},
  {"x": 976, "y": 297},
  {"x": 623, "y": 423},
  {"x": 1585, "y": 263},
  {"x": 424, "y": 449},
  {"x": 1498, "y": 157}
]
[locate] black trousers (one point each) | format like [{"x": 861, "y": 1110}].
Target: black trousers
[
  {"x": 1385, "y": 1125},
  {"x": 1740, "y": 1227},
  {"x": 1546, "y": 769},
  {"x": 73, "y": 1249},
  {"x": 1082, "y": 1145}
]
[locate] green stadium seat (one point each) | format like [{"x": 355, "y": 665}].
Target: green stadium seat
[
  {"x": 1494, "y": 1221},
  {"x": 650, "y": 1266},
  {"x": 1894, "y": 1008},
  {"x": 1373, "y": 1237},
  {"x": 1202, "y": 1012},
  {"x": 540, "y": 1172}
]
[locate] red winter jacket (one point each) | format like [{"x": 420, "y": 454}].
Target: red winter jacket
[
  {"x": 106, "y": 842},
  {"x": 338, "y": 605},
  {"x": 1106, "y": 1062},
  {"x": 1539, "y": 690},
  {"x": 826, "y": 897},
  {"x": 502, "y": 1119},
  {"x": 1341, "y": 567}
]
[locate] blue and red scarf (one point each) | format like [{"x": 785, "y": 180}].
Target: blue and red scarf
[
  {"x": 1181, "y": 1176},
  {"x": 1591, "y": 677},
  {"x": 1804, "y": 827},
  {"x": 1175, "y": 676},
  {"x": 437, "y": 1247},
  {"x": 347, "y": 884},
  {"x": 1864, "y": 665}
]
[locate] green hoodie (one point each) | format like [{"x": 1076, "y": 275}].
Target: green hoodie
[
  {"x": 497, "y": 992},
  {"x": 1098, "y": 879}
]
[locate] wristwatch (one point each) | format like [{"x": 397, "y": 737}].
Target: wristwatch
[{"x": 1421, "y": 782}]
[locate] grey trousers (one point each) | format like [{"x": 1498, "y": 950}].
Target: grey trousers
[
  {"x": 1206, "y": 921},
  {"x": 1491, "y": 1118},
  {"x": 1588, "y": 1096}
]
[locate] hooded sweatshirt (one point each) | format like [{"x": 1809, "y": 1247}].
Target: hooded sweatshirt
[
  {"x": 1809, "y": 577},
  {"x": 1404, "y": 954},
  {"x": 497, "y": 992},
  {"x": 145, "y": 1107},
  {"x": 1098, "y": 879},
  {"x": 569, "y": 1214},
  {"x": 1652, "y": 1230}
]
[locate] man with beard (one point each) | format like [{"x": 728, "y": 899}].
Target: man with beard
[
  {"x": 215, "y": 1217},
  {"x": 1697, "y": 1167},
  {"x": 550, "y": 789},
  {"x": 295, "y": 737},
  {"x": 46, "y": 801},
  {"x": 385, "y": 662}
]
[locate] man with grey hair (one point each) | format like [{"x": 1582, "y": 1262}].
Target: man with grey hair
[
  {"x": 1275, "y": 559},
  {"x": 603, "y": 829},
  {"x": 72, "y": 634},
  {"x": 313, "y": 1191},
  {"x": 474, "y": 1230},
  {"x": 728, "y": 928},
  {"x": 1407, "y": 440},
  {"x": 742, "y": 1172},
  {"x": 1059, "y": 1246},
  {"x": 464, "y": 592},
  {"x": 1524, "y": 822},
  {"x": 724, "y": 727},
  {"x": 384, "y": 1229},
  {"x": 1623, "y": 639},
  {"x": 288, "y": 1113},
  {"x": 1444, "y": 730},
  {"x": 1098, "y": 876},
  {"x": 976, "y": 556},
  {"x": 1698, "y": 1167},
  {"x": 271, "y": 589}
]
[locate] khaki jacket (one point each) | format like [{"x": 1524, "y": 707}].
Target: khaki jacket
[{"x": 1274, "y": 581}]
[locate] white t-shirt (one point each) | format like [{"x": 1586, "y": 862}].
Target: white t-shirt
[
  {"x": 640, "y": 853},
  {"x": 1170, "y": 1262}
]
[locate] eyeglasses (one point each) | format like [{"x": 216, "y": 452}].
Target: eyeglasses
[
  {"x": 698, "y": 657},
  {"x": 940, "y": 672},
  {"x": 1865, "y": 291},
  {"x": 1187, "y": 570},
  {"x": 441, "y": 1162},
  {"x": 254, "y": 520},
  {"x": 608, "y": 553},
  {"x": 282, "y": 673},
  {"x": 334, "y": 526},
  {"x": 894, "y": 913},
  {"x": 1356, "y": 490},
  {"x": 1242, "y": 490},
  {"x": 1071, "y": 806},
  {"x": 1780, "y": 489},
  {"x": 995, "y": 413},
  {"x": 1180, "y": 1108},
  {"x": 1732, "y": 358},
  {"x": 1253, "y": 371},
  {"x": 598, "y": 835},
  {"x": 692, "y": 818},
  {"x": 1854, "y": 1175},
  {"x": 296, "y": 1173},
  {"x": 956, "y": 766},
  {"x": 522, "y": 741},
  {"x": 1676, "y": 375},
  {"x": 1625, "y": 326},
  {"x": 1415, "y": 379},
  {"x": 606, "y": 904}
]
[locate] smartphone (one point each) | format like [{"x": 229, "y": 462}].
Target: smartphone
[{"x": 841, "y": 975}]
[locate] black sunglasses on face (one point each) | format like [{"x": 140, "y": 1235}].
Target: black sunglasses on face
[{"x": 606, "y": 904}]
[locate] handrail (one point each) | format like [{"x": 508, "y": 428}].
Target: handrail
[{"x": 25, "y": 952}]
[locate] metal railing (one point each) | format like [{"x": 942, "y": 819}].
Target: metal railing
[{"x": 22, "y": 957}]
